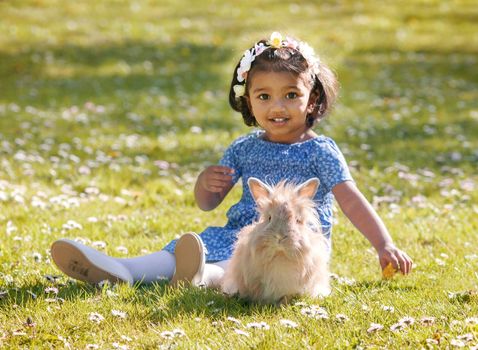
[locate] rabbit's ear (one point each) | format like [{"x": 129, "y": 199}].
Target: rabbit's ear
[
  {"x": 309, "y": 188},
  {"x": 258, "y": 188}
]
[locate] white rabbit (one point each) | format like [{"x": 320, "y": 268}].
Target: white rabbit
[{"x": 284, "y": 253}]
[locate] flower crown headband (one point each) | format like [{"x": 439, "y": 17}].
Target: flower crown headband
[{"x": 276, "y": 42}]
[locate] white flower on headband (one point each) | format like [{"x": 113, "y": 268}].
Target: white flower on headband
[
  {"x": 259, "y": 48},
  {"x": 239, "y": 90},
  {"x": 308, "y": 53},
  {"x": 245, "y": 65},
  {"x": 276, "y": 40},
  {"x": 292, "y": 43}
]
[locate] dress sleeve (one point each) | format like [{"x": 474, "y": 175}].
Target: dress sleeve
[
  {"x": 331, "y": 166},
  {"x": 230, "y": 159}
]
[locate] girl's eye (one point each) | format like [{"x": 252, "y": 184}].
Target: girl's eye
[
  {"x": 291, "y": 95},
  {"x": 263, "y": 97}
]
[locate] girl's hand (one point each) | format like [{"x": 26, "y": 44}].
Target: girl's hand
[
  {"x": 216, "y": 178},
  {"x": 398, "y": 258}
]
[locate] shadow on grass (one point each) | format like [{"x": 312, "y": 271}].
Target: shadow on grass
[
  {"x": 203, "y": 302},
  {"x": 30, "y": 293},
  {"x": 123, "y": 74},
  {"x": 134, "y": 65},
  {"x": 162, "y": 301}
]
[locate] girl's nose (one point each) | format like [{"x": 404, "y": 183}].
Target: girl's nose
[{"x": 277, "y": 106}]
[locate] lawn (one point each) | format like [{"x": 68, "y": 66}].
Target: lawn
[{"x": 109, "y": 110}]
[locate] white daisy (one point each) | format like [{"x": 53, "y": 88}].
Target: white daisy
[
  {"x": 288, "y": 323},
  {"x": 119, "y": 314},
  {"x": 96, "y": 317},
  {"x": 374, "y": 327},
  {"x": 258, "y": 325}
]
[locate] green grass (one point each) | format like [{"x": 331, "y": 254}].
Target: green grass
[{"x": 94, "y": 94}]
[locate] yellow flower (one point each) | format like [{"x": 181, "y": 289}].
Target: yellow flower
[
  {"x": 276, "y": 40},
  {"x": 388, "y": 271}
]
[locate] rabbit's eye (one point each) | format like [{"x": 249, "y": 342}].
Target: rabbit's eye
[
  {"x": 269, "y": 218},
  {"x": 298, "y": 221}
]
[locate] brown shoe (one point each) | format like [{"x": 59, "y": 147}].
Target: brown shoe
[
  {"x": 190, "y": 260},
  {"x": 87, "y": 264}
]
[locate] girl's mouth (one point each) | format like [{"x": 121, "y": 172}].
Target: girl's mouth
[{"x": 279, "y": 120}]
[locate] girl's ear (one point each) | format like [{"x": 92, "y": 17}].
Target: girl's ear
[
  {"x": 258, "y": 189},
  {"x": 312, "y": 102}
]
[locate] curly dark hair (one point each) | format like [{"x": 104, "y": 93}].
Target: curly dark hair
[{"x": 323, "y": 82}]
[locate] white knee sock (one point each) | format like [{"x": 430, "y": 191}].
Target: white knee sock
[
  {"x": 152, "y": 267},
  {"x": 213, "y": 273},
  {"x": 155, "y": 266}
]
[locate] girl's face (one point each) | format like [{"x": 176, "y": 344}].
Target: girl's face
[{"x": 280, "y": 102}]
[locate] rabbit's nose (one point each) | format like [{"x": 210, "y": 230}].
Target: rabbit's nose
[{"x": 283, "y": 238}]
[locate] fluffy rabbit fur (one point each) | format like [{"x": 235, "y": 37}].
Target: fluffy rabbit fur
[{"x": 280, "y": 256}]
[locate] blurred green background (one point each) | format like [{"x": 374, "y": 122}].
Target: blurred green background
[
  {"x": 130, "y": 98},
  {"x": 159, "y": 68}
]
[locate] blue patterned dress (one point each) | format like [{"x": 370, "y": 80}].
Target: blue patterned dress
[{"x": 252, "y": 156}]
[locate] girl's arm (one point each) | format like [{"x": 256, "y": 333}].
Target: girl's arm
[
  {"x": 361, "y": 213},
  {"x": 212, "y": 185}
]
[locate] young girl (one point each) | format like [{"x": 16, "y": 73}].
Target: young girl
[{"x": 281, "y": 86}]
